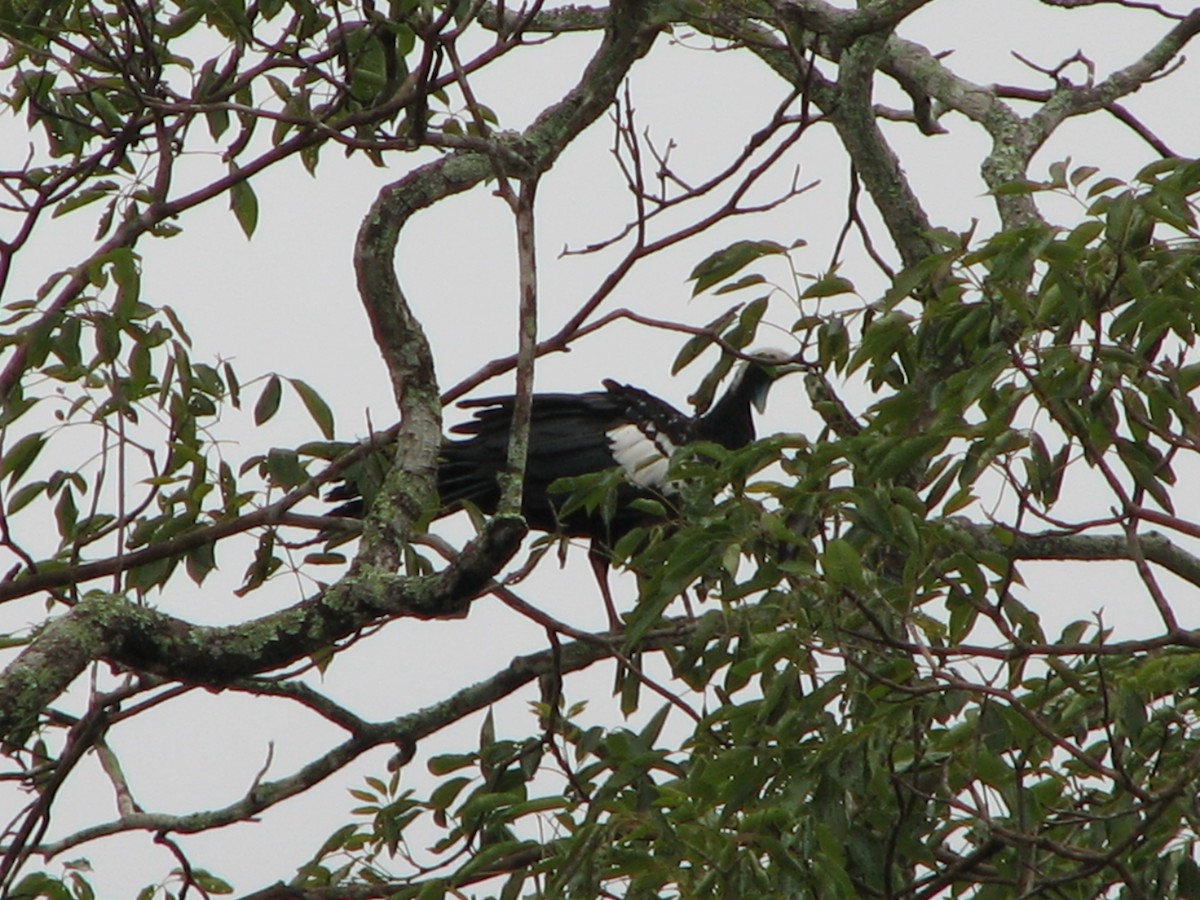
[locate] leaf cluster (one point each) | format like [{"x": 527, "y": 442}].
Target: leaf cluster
[{"x": 883, "y": 711}]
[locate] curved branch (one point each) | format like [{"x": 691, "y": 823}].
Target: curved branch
[
  {"x": 1076, "y": 101},
  {"x": 408, "y": 491},
  {"x": 405, "y": 730},
  {"x": 874, "y": 161},
  {"x": 1154, "y": 546},
  {"x": 111, "y": 628},
  {"x": 858, "y": 40},
  {"x": 144, "y": 639}
]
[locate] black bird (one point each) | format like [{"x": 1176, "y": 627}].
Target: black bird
[{"x": 571, "y": 435}]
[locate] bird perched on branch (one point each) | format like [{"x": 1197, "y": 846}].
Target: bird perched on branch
[{"x": 572, "y": 435}]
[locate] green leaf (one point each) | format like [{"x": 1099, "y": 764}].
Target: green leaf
[
  {"x": 25, "y": 495},
  {"x": 451, "y": 762},
  {"x": 200, "y": 562},
  {"x": 244, "y": 204},
  {"x": 701, "y": 342},
  {"x": 1104, "y": 185},
  {"x": 337, "y": 841},
  {"x": 38, "y": 885},
  {"x": 126, "y": 274},
  {"x": 89, "y": 195},
  {"x": 1149, "y": 174},
  {"x": 217, "y": 118},
  {"x": 729, "y": 261},
  {"x": 829, "y": 286},
  {"x": 268, "y": 401},
  {"x": 324, "y": 559},
  {"x": 234, "y": 386},
  {"x": 1082, "y": 174},
  {"x": 211, "y": 883},
  {"x": 747, "y": 325},
  {"x": 316, "y": 406},
  {"x": 744, "y": 282},
  {"x": 284, "y": 468},
  {"x": 481, "y": 859},
  {"x": 487, "y": 731},
  {"x": 434, "y": 889},
  {"x": 842, "y": 564},
  {"x": 447, "y": 792},
  {"x": 66, "y": 514},
  {"x": 264, "y": 565},
  {"x": 650, "y": 506},
  {"x": 904, "y": 453},
  {"x": 21, "y": 455}
]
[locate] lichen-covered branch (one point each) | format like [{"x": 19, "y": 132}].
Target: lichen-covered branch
[
  {"x": 874, "y": 161},
  {"x": 860, "y": 42},
  {"x": 1154, "y": 546},
  {"x": 518, "y": 449},
  {"x": 146, "y": 640},
  {"x": 406, "y": 730},
  {"x": 571, "y": 656},
  {"x": 1072, "y": 101}
]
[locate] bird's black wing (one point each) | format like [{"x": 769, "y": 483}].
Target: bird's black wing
[
  {"x": 569, "y": 435},
  {"x": 567, "y": 438}
]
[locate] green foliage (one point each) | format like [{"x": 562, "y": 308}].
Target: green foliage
[
  {"x": 728, "y": 262},
  {"x": 106, "y": 360},
  {"x": 862, "y": 731},
  {"x": 860, "y": 695}
]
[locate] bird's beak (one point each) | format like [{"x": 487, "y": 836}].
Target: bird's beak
[{"x": 775, "y": 373}]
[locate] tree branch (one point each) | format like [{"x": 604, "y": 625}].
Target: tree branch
[
  {"x": 406, "y": 730},
  {"x": 143, "y": 639}
]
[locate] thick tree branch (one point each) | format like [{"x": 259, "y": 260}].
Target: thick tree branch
[
  {"x": 845, "y": 26},
  {"x": 406, "y": 730},
  {"x": 834, "y": 32},
  {"x": 874, "y": 161},
  {"x": 1156, "y": 548},
  {"x": 147, "y": 640},
  {"x": 408, "y": 491}
]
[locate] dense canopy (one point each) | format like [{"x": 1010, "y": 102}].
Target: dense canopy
[{"x": 931, "y": 635}]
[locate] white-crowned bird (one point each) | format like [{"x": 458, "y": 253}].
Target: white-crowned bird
[{"x": 572, "y": 435}]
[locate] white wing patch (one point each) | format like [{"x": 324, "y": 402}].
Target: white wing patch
[{"x": 644, "y": 456}]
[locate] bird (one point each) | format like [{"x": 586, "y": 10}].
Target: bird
[{"x": 621, "y": 428}]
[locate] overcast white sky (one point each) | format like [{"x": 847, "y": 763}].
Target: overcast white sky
[{"x": 286, "y": 302}]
